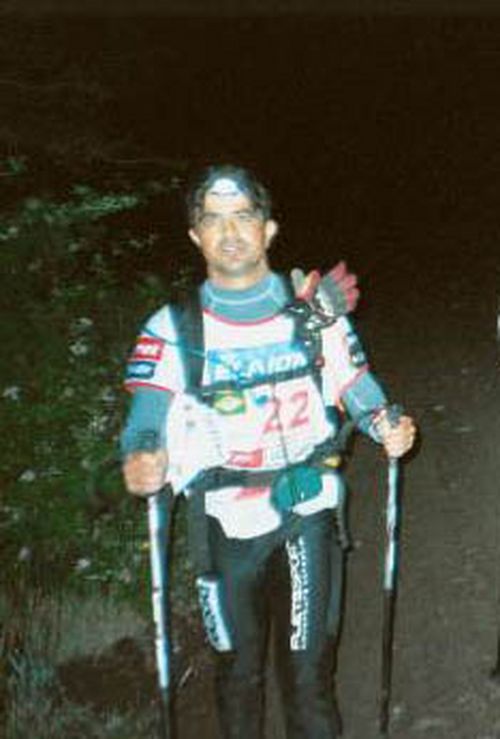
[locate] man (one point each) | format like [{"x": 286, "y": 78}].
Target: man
[{"x": 271, "y": 374}]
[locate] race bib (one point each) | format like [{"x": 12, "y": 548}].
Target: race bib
[{"x": 195, "y": 438}]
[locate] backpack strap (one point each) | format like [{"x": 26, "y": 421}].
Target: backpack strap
[
  {"x": 188, "y": 321},
  {"x": 300, "y": 312}
]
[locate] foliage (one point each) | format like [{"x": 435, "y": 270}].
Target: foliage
[{"x": 79, "y": 277}]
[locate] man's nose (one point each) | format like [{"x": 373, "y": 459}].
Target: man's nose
[{"x": 230, "y": 227}]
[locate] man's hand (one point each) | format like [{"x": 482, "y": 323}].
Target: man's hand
[
  {"x": 334, "y": 295},
  {"x": 144, "y": 472},
  {"x": 397, "y": 438},
  {"x": 338, "y": 291}
]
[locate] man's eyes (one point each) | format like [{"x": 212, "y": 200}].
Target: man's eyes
[
  {"x": 208, "y": 220},
  {"x": 247, "y": 216}
]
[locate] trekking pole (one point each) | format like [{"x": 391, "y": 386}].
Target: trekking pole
[
  {"x": 159, "y": 526},
  {"x": 393, "y": 514},
  {"x": 495, "y": 672}
]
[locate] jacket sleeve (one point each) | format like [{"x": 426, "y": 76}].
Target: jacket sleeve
[
  {"x": 348, "y": 381},
  {"x": 146, "y": 420},
  {"x": 363, "y": 401},
  {"x": 154, "y": 374},
  {"x": 155, "y": 361}
]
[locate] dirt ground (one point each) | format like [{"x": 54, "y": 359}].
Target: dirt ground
[
  {"x": 432, "y": 339},
  {"x": 440, "y": 362}
]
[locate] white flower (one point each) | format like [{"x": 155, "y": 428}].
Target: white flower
[
  {"x": 27, "y": 476},
  {"x": 35, "y": 265},
  {"x": 24, "y": 554},
  {"x": 107, "y": 395},
  {"x": 98, "y": 423},
  {"x": 82, "y": 564},
  {"x": 79, "y": 348},
  {"x": 52, "y": 472},
  {"x": 125, "y": 576},
  {"x": 13, "y": 392},
  {"x": 82, "y": 324}
]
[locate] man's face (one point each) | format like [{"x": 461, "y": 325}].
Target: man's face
[{"x": 233, "y": 237}]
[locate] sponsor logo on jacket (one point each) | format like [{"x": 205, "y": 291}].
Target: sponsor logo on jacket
[{"x": 251, "y": 364}]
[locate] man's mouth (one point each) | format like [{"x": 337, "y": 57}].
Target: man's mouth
[{"x": 232, "y": 247}]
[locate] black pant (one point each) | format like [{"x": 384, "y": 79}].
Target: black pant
[{"x": 293, "y": 583}]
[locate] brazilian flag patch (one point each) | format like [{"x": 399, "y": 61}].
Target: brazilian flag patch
[{"x": 229, "y": 402}]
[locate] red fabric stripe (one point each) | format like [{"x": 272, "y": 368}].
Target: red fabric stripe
[
  {"x": 223, "y": 319},
  {"x": 353, "y": 380},
  {"x": 246, "y": 493},
  {"x": 131, "y": 384}
]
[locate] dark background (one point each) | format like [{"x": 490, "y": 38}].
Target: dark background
[{"x": 378, "y": 134}]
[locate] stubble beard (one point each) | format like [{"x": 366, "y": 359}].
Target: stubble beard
[
  {"x": 252, "y": 268},
  {"x": 238, "y": 263}
]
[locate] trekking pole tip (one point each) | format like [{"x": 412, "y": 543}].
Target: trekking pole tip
[{"x": 494, "y": 674}]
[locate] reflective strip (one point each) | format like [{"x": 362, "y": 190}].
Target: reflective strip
[
  {"x": 157, "y": 531},
  {"x": 300, "y": 586},
  {"x": 212, "y": 612},
  {"x": 391, "y": 555}
]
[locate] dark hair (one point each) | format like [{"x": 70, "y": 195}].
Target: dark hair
[{"x": 245, "y": 180}]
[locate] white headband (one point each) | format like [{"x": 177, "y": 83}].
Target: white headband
[{"x": 225, "y": 187}]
